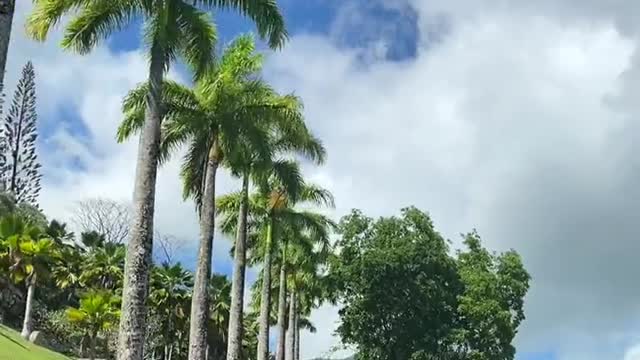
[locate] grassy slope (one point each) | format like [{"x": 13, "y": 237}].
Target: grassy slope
[{"x": 13, "y": 347}]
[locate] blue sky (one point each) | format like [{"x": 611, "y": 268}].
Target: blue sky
[{"x": 512, "y": 117}]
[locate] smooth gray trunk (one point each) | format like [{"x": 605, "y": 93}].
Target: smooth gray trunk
[
  {"x": 291, "y": 333},
  {"x": 200, "y": 300},
  {"x": 265, "y": 299},
  {"x": 282, "y": 309},
  {"x": 27, "y": 325},
  {"x": 133, "y": 321},
  {"x": 234, "y": 348},
  {"x": 297, "y": 334},
  {"x": 7, "y": 9}
]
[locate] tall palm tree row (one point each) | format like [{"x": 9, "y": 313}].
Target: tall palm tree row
[
  {"x": 172, "y": 28},
  {"x": 308, "y": 289},
  {"x": 277, "y": 224},
  {"x": 229, "y": 112}
]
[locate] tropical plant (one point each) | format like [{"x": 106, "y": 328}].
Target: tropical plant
[
  {"x": 170, "y": 296},
  {"x": 29, "y": 254},
  {"x": 172, "y": 28},
  {"x": 220, "y": 290},
  {"x": 98, "y": 313},
  {"x": 104, "y": 267}
]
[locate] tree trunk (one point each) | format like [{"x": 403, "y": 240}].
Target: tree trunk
[
  {"x": 7, "y": 9},
  {"x": 282, "y": 307},
  {"x": 291, "y": 337},
  {"x": 297, "y": 334},
  {"x": 92, "y": 347},
  {"x": 265, "y": 298},
  {"x": 200, "y": 299},
  {"x": 27, "y": 325},
  {"x": 133, "y": 322},
  {"x": 234, "y": 349}
]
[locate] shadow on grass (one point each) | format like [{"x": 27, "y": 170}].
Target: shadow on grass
[{"x": 2, "y": 333}]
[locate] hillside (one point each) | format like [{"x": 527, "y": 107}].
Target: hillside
[{"x": 13, "y": 347}]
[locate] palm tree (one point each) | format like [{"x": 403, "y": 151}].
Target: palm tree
[
  {"x": 307, "y": 288},
  {"x": 7, "y": 8},
  {"x": 170, "y": 295},
  {"x": 30, "y": 255},
  {"x": 275, "y": 221},
  {"x": 172, "y": 28},
  {"x": 220, "y": 290},
  {"x": 228, "y": 106},
  {"x": 97, "y": 313},
  {"x": 104, "y": 267}
]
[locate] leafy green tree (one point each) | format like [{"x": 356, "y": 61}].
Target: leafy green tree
[
  {"x": 398, "y": 284},
  {"x": 98, "y": 313},
  {"x": 172, "y": 28},
  {"x": 405, "y": 297},
  {"x": 30, "y": 254},
  {"x": 491, "y": 307}
]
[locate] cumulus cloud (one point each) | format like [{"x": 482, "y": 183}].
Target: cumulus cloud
[{"x": 518, "y": 124}]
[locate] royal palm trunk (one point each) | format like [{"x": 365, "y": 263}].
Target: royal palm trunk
[
  {"x": 265, "y": 298},
  {"x": 297, "y": 335},
  {"x": 133, "y": 322},
  {"x": 200, "y": 300},
  {"x": 7, "y": 9},
  {"x": 27, "y": 325},
  {"x": 291, "y": 337},
  {"x": 282, "y": 308},
  {"x": 234, "y": 348}
]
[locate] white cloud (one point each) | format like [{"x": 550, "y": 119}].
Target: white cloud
[{"x": 503, "y": 127}]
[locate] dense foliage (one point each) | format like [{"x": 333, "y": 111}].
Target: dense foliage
[{"x": 405, "y": 296}]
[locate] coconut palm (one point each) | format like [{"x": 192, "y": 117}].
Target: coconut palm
[
  {"x": 228, "y": 106},
  {"x": 172, "y": 28},
  {"x": 7, "y": 9},
  {"x": 98, "y": 313},
  {"x": 30, "y": 254}
]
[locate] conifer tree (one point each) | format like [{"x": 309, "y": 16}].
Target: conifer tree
[{"x": 21, "y": 172}]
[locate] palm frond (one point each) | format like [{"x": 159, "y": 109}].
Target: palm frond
[
  {"x": 316, "y": 195},
  {"x": 198, "y": 37},
  {"x": 96, "y": 21},
  {"x": 264, "y": 13},
  {"x": 46, "y": 14}
]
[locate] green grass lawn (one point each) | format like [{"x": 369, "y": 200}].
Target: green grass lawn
[{"x": 13, "y": 347}]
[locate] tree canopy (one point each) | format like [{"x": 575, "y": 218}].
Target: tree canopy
[{"x": 404, "y": 296}]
